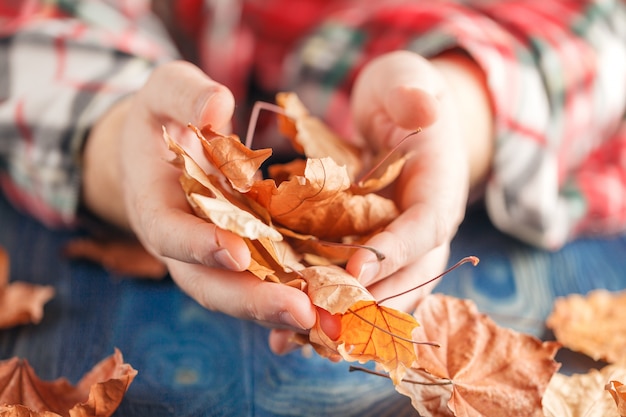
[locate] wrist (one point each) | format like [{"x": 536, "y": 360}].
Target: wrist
[
  {"x": 102, "y": 192},
  {"x": 467, "y": 83}
]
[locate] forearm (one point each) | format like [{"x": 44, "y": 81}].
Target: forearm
[{"x": 101, "y": 186}]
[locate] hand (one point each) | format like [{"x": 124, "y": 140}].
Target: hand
[
  {"x": 398, "y": 93},
  {"x": 393, "y": 96},
  {"x": 126, "y": 161}
]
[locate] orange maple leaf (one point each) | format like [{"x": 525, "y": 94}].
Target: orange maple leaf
[
  {"x": 97, "y": 394},
  {"x": 369, "y": 332}
]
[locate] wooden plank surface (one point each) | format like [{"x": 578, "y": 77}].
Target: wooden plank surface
[{"x": 192, "y": 362}]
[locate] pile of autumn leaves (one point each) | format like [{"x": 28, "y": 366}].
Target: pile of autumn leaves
[{"x": 301, "y": 225}]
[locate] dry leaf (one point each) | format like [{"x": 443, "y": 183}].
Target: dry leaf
[
  {"x": 385, "y": 174},
  {"x": 333, "y": 289},
  {"x": 20, "y": 302},
  {"x": 98, "y": 393},
  {"x": 591, "y": 324},
  {"x": 237, "y": 162},
  {"x": 582, "y": 394},
  {"x": 311, "y": 137},
  {"x": 618, "y": 392},
  {"x": 369, "y": 332},
  {"x": 119, "y": 256},
  {"x": 319, "y": 203},
  {"x": 214, "y": 202},
  {"x": 480, "y": 369}
]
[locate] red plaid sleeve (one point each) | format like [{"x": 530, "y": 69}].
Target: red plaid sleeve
[
  {"x": 61, "y": 70},
  {"x": 555, "y": 71}
]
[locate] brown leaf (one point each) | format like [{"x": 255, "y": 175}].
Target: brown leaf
[
  {"x": 120, "y": 256},
  {"x": 237, "y": 162},
  {"x": 20, "y": 302},
  {"x": 369, "y": 332},
  {"x": 214, "y": 202},
  {"x": 618, "y": 392},
  {"x": 384, "y": 175},
  {"x": 582, "y": 394},
  {"x": 479, "y": 369},
  {"x": 311, "y": 137},
  {"x": 333, "y": 289},
  {"x": 273, "y": 260},
  {"x": 98, "y": 393},
  {"x": 320, "y": 204},
  {"x": 591, "y": 324}
]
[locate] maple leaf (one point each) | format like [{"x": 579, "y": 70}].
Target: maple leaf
[
  {"x": 97, "y": 394},
  {"x": 369, "y": 332},
  {"x": 480, "y": 369},
  {"x": 618, "y": 392},
  {"x": 119, "y": 256},
  {"x": 212, "y": 201},
  {"x": 319, "y": 203},
  {"x": 313, "y": 138},
  {"x": 584, "y": 394},
  {"x": 236, "y": 161},
  {"x": 591, "y": 324},
  {"x": 20, "y": 302}
]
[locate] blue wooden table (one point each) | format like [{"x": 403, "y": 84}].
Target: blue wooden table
[{"x": 192, "y": 362}]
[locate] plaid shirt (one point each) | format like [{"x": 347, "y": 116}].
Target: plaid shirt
[{"x": 556, "y": 71}]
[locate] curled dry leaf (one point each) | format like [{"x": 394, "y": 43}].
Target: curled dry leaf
[
  {"x": 618, "y": 392},
  {"x": 591, "y": 324},
  {"x": 123, "y": 257},
  {"x": 480, "y": 369},
  {"x": 237, "y": 162},
  {"x": 97, "y": 394},
  {"x": 20, "y": 302},
  {"x": 305, "y": 131},
  {"x": 584, "y": 394}
]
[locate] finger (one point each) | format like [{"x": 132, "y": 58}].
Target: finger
[
  {"x": 399, "y": 89},
  {"x": 163, "y": 221},
  {"x": 410, "y": 107},
  {"x": 414, "y": 233},
  {"x": 416, "y": 274},
  {"x": 281, "y": 341},
  {"x": 245, "y": 296},
  {"x": 180, "y": 91}
]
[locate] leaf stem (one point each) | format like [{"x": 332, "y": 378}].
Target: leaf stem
[
  {"x": 379, "y": 255},
  {"x": 434, "y": 344},
  {"x": 254, "y": 117},
  {"x": 375, "y": 167},
  {"x": 353, "y": 368},
  {"x": 473, "y": 259}
]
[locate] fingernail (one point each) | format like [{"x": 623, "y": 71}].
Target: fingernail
[
  {"x": 285, "y": 317},
  {"x": 368, "y": 272},
  {"x": 226, "y": 260}
]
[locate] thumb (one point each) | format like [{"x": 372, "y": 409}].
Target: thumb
[
  {"x": 396, "y": 90},
  {"x": 182, "y": 92}
]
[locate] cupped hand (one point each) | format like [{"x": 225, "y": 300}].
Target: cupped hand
[
  {"x": 393, "y": 96},
  {"x": 127, "y": 157},
  {"x": 447, "y": 99}
]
